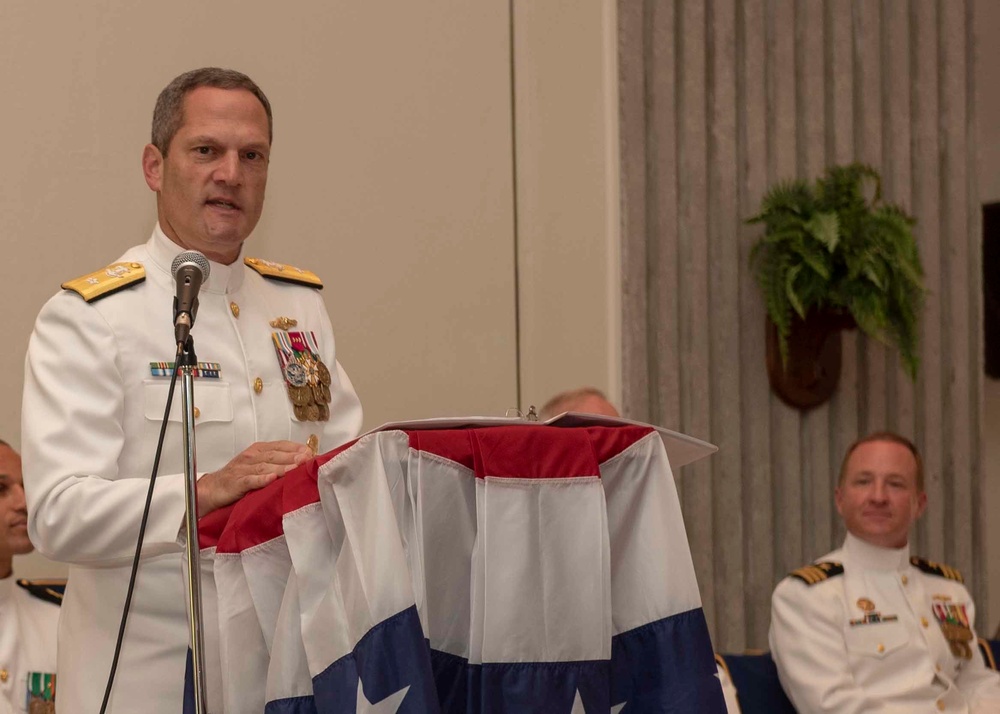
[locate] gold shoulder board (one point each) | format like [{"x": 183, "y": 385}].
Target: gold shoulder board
[
  {"x": 106, "y": 281},
  {"x": 939, "y": 569},
  {"x": 817, "y": 572},
  {"x": 284, "y": 273},
  {"x": 48, "y": 590}
]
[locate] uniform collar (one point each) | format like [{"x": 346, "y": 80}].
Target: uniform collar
[
  {"x": 873, "y": 557},
  {"x": 222, "y": 278}
]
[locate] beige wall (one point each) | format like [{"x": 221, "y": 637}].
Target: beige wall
[
  {"x": 567, "y": 197},
  {"x": 988, "y": 150},
  {"x": 392, "y": 177}
]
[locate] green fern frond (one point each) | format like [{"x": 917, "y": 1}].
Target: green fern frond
[
  {"x": 834, "y": 244},
  {"x": 825, "y": 227}
]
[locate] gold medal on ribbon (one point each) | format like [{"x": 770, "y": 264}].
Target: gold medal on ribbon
[
  {"x": 300, "y": 396},
  {"x": 41, "y": 693}
]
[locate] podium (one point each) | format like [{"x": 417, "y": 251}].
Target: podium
[{"x": 464, "y": 567}]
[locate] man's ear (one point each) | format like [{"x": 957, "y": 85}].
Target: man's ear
[
  {"x": 921, "y": 504},
  {"x": 152, "y": 167}
]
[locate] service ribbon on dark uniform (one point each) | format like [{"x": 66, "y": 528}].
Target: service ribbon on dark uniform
[{"x": 307, "y": 379}]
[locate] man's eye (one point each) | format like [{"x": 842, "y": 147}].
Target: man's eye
[{"x": 203, "y": 150}]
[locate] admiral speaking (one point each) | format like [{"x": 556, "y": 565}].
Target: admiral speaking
[{"x": 269, "y": 393}]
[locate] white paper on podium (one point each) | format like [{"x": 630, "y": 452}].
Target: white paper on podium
[{"x": 681, "y": 448}]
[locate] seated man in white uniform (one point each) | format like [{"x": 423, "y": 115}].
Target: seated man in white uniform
[
  {"x": 268, "y": 393},
  {"x": 868, "y": 627},
  {"x": 29, "y": 611}
]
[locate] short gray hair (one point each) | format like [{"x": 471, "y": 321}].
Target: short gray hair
[
  {"x": 168, "y": 115},
  {"x": 566, "y": 401}
]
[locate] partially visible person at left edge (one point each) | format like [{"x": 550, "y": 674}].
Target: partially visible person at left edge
[
  {"x": 269, "y": 393},
  {"x": 29, "y": 611}
]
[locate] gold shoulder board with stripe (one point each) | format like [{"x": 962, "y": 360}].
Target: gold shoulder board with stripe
[
  {"x": 284, "y": 273},
  {"x": 48, "y": 590},
  {"x": 939, "y": 569},
  {"x": 106, "y": 281},
  {"x": 817, "y": 572}
]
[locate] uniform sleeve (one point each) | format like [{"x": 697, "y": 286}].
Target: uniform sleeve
[
  {"x": 980, "y": 685},
  {"x": 807, "y": 645},
  {"x": 81, "y": 509}
]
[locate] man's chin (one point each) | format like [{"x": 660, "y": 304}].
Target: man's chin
[{"x": 21, "y": 547}]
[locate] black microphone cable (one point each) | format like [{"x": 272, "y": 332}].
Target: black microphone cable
[{"x": 142, "y": 531}]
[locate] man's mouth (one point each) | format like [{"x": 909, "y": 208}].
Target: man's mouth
[
  {"x": 878, "y": 514},
  {"x": 222, "y": 203}
]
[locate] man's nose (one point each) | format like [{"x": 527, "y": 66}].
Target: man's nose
[
  {"x": 879, "y": 493},
  {"x": 17, "y": 493},
  {"x": 229, "y": 169}
]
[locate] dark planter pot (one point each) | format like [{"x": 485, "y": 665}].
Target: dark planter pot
[{"x": 813, "y": 368}]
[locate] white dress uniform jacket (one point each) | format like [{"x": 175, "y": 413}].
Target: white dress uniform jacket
[
  {"x": 868, "y": 640},
  {"x": 91, "y": 415},
  {"x": 27, "y": 642}
]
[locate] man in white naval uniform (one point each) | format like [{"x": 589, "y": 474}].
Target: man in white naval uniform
[
  {"x": 868, "y": 628},
  {"x": 29, "y": 612},
  {"x": 96, "y": 385}
]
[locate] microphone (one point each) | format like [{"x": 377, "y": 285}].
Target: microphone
[{"x": 190, "y": 269}]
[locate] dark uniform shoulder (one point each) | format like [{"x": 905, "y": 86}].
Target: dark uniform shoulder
[
  {"x": 817, "y": 572},
  {"x": 284, "y": 273},
  {"x": 106, "y": 281},
  {"x": 939, "y": 569},
  {"x": 48, "y": 590}
]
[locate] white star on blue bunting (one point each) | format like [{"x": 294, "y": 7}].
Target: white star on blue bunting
[{"x": 389, "y": 705}]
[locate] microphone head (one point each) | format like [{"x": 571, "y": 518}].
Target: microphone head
[{"x": 191, "y": 257}]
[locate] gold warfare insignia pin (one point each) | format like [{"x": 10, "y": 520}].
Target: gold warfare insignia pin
[{"x": 283, "y": 323}]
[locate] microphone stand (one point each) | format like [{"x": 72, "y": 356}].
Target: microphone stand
[{"x": 186, "y": 362}]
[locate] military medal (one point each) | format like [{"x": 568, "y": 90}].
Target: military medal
[
  {"x": 41, "y": 693},
  {"x": 295, "y": 375},
  {"x": 955, "y": 626},
  {"x": 307, "y": 379}
]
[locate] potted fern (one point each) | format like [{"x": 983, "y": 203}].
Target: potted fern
[{"x": 835, "y": 255}]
